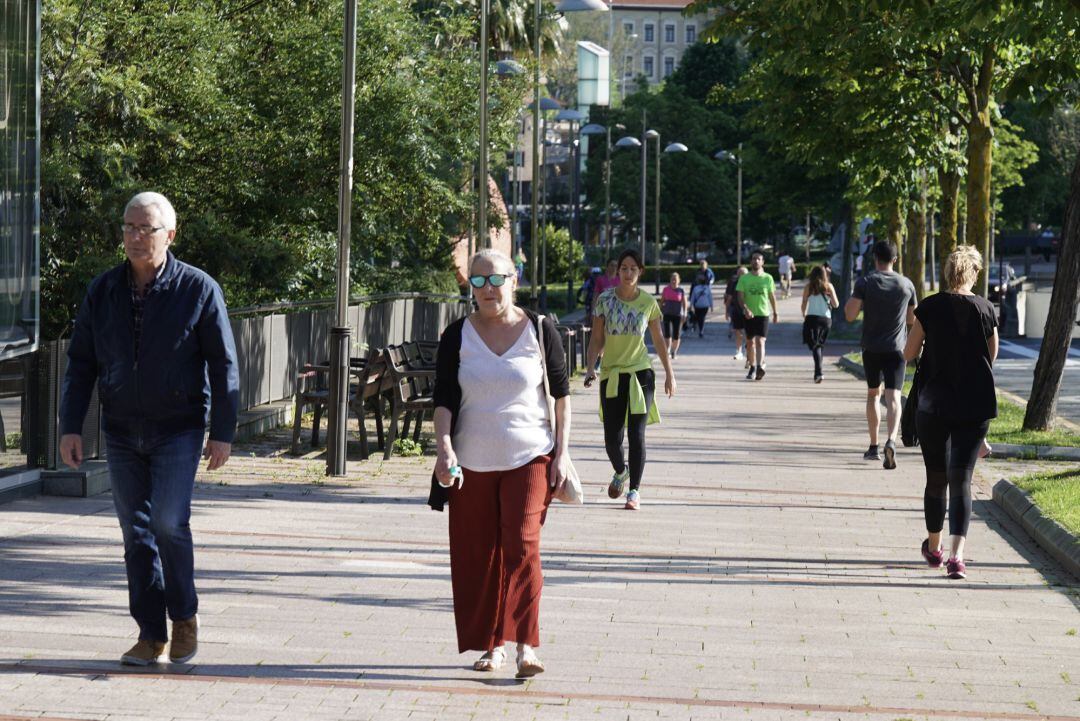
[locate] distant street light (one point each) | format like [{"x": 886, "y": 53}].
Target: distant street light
[
  {"x": 672, "y": 148},
  {"x": 737, "y": 159},
  {"x": 595, "y": 129},
  {"x": 574, "y": 117}
]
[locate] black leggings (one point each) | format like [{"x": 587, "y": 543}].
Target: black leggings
[
  {"x": 616, "y": 421},
  {"x": 699, "y": 319},
  {"x": 948, "y": 469},
  {"x": 672, "y": 326}
]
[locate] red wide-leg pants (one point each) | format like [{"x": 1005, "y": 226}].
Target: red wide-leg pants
[{"x": 495, "y": 521}]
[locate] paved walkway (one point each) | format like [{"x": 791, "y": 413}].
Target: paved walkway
[{"x": 771, "y": 574}]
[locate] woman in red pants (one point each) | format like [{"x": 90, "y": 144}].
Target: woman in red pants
[{"x": 499, "y": 462}]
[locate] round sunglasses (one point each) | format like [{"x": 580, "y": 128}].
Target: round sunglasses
[{"x": 495, "y": 279}]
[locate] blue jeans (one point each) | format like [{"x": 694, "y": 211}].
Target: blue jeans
[{"x": 152, "y": 483}]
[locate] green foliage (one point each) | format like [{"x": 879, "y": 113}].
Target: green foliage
[
  {"x": 563, "y": 255},
  {"x": 407, "y": 447},
  {"x": 233, "y": 110}
]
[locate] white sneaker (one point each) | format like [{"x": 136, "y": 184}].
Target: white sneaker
[{"x": 739, "y": 355}]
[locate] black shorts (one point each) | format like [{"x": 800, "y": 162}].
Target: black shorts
[
  {"x": 673, "y": 326},
  {"x": 888, "y": 367},
  {"x": 738, "y": 320},
  {"x": 757, "y": 327}
]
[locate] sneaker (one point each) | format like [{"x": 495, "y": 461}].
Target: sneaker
[
  {"x": 817, "y": 379},
  {"x": 890, "y": 455},
  {"x": 739, "y": 355},
  {"x": 871, "y": 454},
  {"x": 760, "y": 373},
  {"x": 935, "y": 559},
  {"x": 750, "y": 373},
  {"x": 633, "y": 499},
  {"x": 185, "y": 640},
  {"x": 144, "y": 653},
  {"x": 618, "y": 480},
  {"x": 955, "y": 568}
]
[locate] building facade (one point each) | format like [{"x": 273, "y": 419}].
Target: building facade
[{"x": 652, "y": 35}]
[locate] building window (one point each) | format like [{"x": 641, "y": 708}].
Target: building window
[
  {"x": 650, "y": 37},
  {"x": 669, "y": 33},
  {"x": 628, "y": 28},
  {"x": 691, "y": 34},
  {"x": 669, "y": 66},
  {"x": 628, "y": 66},
  {"x": 647, "y": 66}
]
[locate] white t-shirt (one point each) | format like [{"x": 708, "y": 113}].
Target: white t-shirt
[
  {"x": 786, "y": 261},
  {"x": 502, "y": 423}
]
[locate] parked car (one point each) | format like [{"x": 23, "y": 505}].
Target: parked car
[{"x": 995, "y": 277}]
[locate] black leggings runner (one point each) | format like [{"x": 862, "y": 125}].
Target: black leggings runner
[
  {"x": 948, "y": 469},
  {"x": 616, "y": 421}
]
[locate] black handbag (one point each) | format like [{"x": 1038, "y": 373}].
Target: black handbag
[{"x": 909, "y": 434}]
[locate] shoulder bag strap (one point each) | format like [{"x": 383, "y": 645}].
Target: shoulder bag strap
[{"x": 543, "y": 367}]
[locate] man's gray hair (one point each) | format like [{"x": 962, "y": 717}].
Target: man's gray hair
[
  {"x": 497, "y": 258},
  {"x": 150, "y": 199}
]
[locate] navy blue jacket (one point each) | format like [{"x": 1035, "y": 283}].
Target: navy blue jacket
[{"x": 186, "y": 369}]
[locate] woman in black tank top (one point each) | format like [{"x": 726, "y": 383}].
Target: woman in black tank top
[{"x": 956, "y": 331}]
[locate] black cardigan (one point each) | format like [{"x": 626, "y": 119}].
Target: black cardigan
[{"x": 448, "y": 391}]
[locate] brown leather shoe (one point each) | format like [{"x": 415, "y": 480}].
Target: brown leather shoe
[
  {"x": 185, "y": 640},
  {"x": 144, "y": 653}
]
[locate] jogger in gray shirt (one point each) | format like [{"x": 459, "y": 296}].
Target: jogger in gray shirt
[{"x": 887, "y": 301}]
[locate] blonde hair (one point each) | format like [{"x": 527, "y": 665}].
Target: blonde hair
[
  {"x": 675, "y": 277},
  {"x": 962, "y": 267},
  {"x": 497, "y": 258}
]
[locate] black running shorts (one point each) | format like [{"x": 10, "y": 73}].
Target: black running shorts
[
  {"x": 757, "y": 327},
  {"x": 888, "y": 367}
]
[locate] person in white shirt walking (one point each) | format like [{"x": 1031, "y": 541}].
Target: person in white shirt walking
[{"x": 787, "y": 268}]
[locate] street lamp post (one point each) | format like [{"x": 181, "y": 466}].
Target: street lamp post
[
  {"x": 630, "y": 141},
  {"x": 671, "y": 148},
  {"x": 737, "y": 159},
  {"x": 340, "y": 340},
  {"x": 574, "y": 117},
  {"x": 596, "y": 129}
]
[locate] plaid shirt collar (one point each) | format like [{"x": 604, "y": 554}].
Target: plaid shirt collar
[{"x": 140, "y": 293}]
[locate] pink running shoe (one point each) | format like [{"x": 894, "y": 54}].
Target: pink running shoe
[
  {"x": 935, "y": 559},
  {"x": 955, "y": 568}
]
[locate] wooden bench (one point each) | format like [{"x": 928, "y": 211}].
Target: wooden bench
[
  {"x": 372, "y": 383},
  {"x": 411, "y": 395}
]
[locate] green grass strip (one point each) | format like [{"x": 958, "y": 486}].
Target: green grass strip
[
  {"x": 1057, "y": 494},
  {"x": 1008, "y": 426}
]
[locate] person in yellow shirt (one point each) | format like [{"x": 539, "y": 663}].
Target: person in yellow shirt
[{"x": 627, "y": 381}]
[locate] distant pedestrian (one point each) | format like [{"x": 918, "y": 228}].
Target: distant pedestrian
[
  {"x": 733, "y": 313},
  {"x": 956, "y": 331},
  {"x": 702, "y": 302},
  {"x": 786, "y": 266},
  {"x": 887, "y": 301},
  {"x": 757, "y": 293},
  {"x": 706, "y": 271},
  {"x": 498, "y": 462},
  {"x": 608, "y": 280},
  {"x": 588, "y": 290},
  {"x": 674, "y": 306},
  {"x": 818, "y": 301},
  {"x": 153, "y": 333},
  {"x": 627, "y": 380},
  {"x": 519, "y": 264}
]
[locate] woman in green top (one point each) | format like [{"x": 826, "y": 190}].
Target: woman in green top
[{"x": 627, "y": 381}]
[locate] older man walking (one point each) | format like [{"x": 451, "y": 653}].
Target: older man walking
[{"x": 154, "y": 334}]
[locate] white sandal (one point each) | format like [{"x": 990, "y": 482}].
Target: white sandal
[
  {"x": 491, "y": 661},
  {"x": 528, "y": 664}
]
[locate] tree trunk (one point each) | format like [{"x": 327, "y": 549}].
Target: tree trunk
[
  {"x": 1061, "y": 319},
  {"x": 950, "y": 199},
  {"x": 896, "y": 231},
  {"x": 915, "y": 247},
  {"x": 979, "y": 163}
]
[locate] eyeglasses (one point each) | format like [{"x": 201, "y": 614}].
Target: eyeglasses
[
  {"x": 495, "y": 279},
  {"x": 140, "y": 229}
]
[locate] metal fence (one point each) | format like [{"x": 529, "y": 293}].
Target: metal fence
[{"x": 272, "y": 344}]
